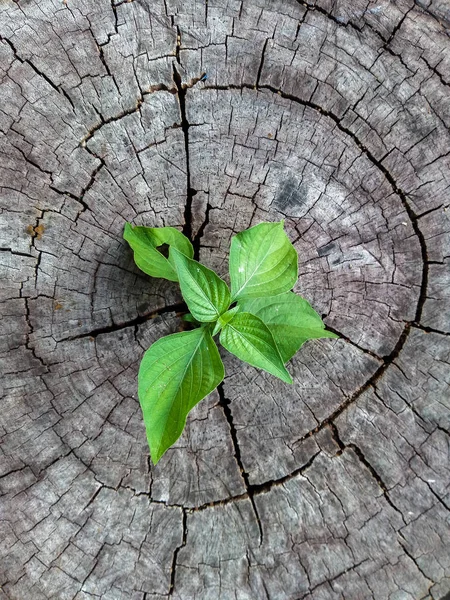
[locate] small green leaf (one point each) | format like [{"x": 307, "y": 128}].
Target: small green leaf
[
  {"x": 176, "y": 373},
  {"x": 145, "y": 240},
  {"x": 206, "y": 295},
  {"x": 249, "y": 339},
  {"x": 291, "y": 320},
  {"x": 224, "y": 319},
  {"x": 263, "y": 262},
  {"x": 189, "y": 318}
]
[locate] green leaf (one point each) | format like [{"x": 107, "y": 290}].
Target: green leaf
[
  {"x": 291, "y": 320},
  {"x": 176, "y": 373},
  {"x": 224, "y": 319},
  {"x": 249, "y": 339},
  {"x": 263, "y": 262},
  {"x": 206, "y": 295},
  {"x": 145, "y": 240},
  {"x": 189, "y": 318}
]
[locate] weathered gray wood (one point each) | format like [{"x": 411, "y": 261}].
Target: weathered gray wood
[{"x": 331, "y": 115}]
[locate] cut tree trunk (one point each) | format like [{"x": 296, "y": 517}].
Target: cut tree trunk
[{"x": 211, "y": 116}]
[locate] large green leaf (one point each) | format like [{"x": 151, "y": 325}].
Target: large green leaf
[
  {"x": 290, "y": 318},
  {"x": 206, "y": 295},
  {"x": 145, "y": 240},
  {"x": 263, "y": 262},
  {"x": 176, "y": 373},
  {"x": 249, "y": 339}
]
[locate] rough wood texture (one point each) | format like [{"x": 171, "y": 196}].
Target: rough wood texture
[{"x": 332, "y": 115}]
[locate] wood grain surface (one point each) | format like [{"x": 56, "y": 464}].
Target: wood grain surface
[{"x": 211, "y": 116}]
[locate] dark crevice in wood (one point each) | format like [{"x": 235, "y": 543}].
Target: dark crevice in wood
[
  {"x": 190, "y": 192},
  {"x": 263, "y": 488},
  {"x": 328, "y": 581},
  {"x": 181, "y": 90},
  {"x": 440, "y": 428},
  {"x": 402, "y": 543},
  {"x": 349, "y": 341},
  {"x": 175, "y": 555},
  {"x": 36, "y": 233},
  {"x": 396, "y": 29},
  {"x": 12, "y": 471},
  {"x": 124, "y": 2},
  {"x": 84, "y": 191},
  {"x": 225, "y": 404},
  {"x": 95, "y": 494},
  {"x": 388, "y": 360},
  {"x": 436, "y": 495},
  {"x": 90, "y": 183},
  {"x": 218, "y": 503},
  {"x": 178, "y": 46},
  {"x": 435, "y": 208},
  {"x": 436, "y": 72},
  {"x": 301, "y": 21},
  {"x": 30, "y": 160},
  {"x": 106, "y": 66},
  {"x": 197, "y": 239},
  {"x": 368, "y": 466},
  {"x": 16, "y": 253},
  {"x": 116, "y": 21},
  {"x": 28, "y": 335},
  {"x": 430, "y": 329},
  {"x": 58, "y": 89},
  {"x": 190, "y": 509},
  {"x": 261, "y": 64},
  {"x": 155, "y": 88},
  {"x": 340, "y": 22},
  {"x": 252, "y": 490},
  {"x": 178, "y": 308}
]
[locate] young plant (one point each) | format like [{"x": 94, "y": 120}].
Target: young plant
[{"x": 259, "y": 320}]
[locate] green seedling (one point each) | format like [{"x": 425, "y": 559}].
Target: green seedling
[{"x": 259, "y": 320}]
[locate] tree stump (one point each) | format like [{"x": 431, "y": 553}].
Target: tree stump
[{"x": 212, "y": 116}]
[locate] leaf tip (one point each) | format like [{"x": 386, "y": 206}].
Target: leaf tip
[
  {"x": 155, "y": 460},
  {"x": 156, "y": 453},
  {"x": 288, "y": 379},
  {"x": 332, "y": 334},
  {"x": 128, "y": 228}
]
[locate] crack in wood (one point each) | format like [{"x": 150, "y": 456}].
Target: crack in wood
[
  {"x": 368, "y": 466},
  {"x": 175, "y": 555},
  {"x": 225, "y": 404},
  {"x": 58, "y": 89},
  {"x": 179, "y": 308},
  {"x": 153, "y": 89},
  {"x": 196, "y": 242},
  {"x": 181, "y": 94}
]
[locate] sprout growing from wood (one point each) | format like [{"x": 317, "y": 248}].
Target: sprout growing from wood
[{"x": 260, "y": 320}]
